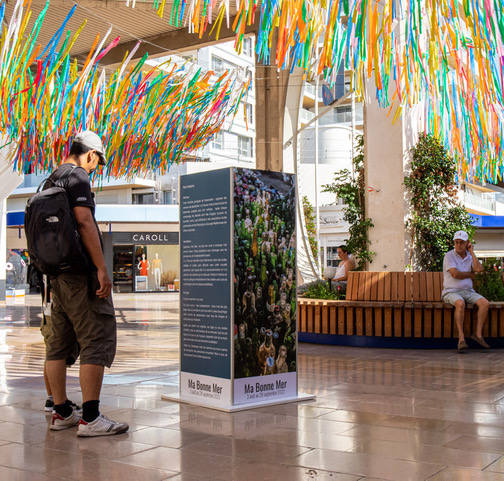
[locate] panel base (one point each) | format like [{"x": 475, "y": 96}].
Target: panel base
[{"x": 240, "y": 407}]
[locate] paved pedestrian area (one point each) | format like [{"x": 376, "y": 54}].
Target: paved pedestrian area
[{"x": 378, "y": 415}]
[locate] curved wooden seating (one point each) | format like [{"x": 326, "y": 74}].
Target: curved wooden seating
[{"x": 392, "y": 309}]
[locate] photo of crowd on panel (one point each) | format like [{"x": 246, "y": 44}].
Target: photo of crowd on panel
[
  {"x": 265, "y": 275},
  {"x": 146, "y": 268}
]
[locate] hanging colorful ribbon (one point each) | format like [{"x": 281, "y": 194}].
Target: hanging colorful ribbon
[
  {"x": 147, "y": 120},
  {"x": 446, "y": 53}
]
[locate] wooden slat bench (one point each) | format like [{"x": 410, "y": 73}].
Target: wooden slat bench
[{"x": 392, "y": 309}]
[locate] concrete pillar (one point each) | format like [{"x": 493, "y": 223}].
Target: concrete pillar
[
  {"x": 291, "y": 163},
  {"x": 292, "y": 106},
  {"x": 387, "y": 148},
  {"x": 270, "y": 93}
]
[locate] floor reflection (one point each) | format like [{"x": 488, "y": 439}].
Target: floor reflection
[{"x": 378, "y": 415}]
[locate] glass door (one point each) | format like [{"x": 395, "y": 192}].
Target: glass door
[{"x": 123, "y": 269}]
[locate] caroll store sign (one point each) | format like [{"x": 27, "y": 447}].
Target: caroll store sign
[
  {"x": 171, "y": 238},
  {"x": 151, "y": 237}
]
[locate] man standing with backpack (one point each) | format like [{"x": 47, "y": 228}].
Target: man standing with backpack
[{"x": 82, "y": 308}]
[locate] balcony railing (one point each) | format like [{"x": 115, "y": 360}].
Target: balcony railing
[
  {"x": 305, "y": 116},
  {"x": 477, "y": 202},
  {"x": 34, "y": 180},
  {"x": 310, "y": 90}
]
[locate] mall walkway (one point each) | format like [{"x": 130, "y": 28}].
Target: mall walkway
[{"x": 378, "y": 415}]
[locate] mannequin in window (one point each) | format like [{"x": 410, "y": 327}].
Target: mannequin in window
[
  {"x": 157, "y": 267},
  {"x": 144, "y": 265}
]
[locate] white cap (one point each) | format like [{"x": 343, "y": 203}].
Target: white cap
[
  {"x": 462, "y": 235},
  {"x": 92, "y": 142}
]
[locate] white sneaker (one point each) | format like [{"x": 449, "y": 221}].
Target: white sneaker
[
  {"x": 49, "y": 405},
  {"x": 58, "y": 422},
  {"x": 101, "y": 426}
]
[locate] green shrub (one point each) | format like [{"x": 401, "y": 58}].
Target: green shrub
[
  {"x": 311, "y": 227},
  {"x": 351, "y": 189},
  {"x": 489, "y": 282},
  {"x": 319, "y": 290}
]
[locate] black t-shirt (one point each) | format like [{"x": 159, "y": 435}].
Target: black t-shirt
[{"x": 77, "y": 186}]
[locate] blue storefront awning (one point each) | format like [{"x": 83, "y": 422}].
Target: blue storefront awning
[
  {"x": 15, "y": 219},
  {"x": 487, "y": 221}
]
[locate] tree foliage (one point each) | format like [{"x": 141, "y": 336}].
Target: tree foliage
[
  {"x": 311, "y": 226},
  {"x": 435, "y": 213},
  {"x": 350, "y": 188}
]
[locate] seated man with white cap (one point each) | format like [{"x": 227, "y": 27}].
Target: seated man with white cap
[{"x": 460, "y": 266}]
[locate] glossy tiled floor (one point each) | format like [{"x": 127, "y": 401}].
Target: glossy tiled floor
[{"x": 378, "y": 415}]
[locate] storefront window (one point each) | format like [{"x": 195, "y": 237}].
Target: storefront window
[{"x": 156, "y": 268}]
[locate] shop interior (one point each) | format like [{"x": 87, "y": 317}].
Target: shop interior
[{"x": 146, "y": 268}]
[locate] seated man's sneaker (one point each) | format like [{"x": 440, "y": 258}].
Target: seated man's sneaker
[
  {"x": 59, "y": 422},
  {"x": 101, "y": 426}
]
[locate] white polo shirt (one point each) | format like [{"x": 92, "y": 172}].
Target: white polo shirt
[{"x": 453, "y": 260}]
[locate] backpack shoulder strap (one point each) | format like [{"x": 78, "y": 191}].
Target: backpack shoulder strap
[
  {"x": 61, "y": 181},
  {"x": 43, "y": 183}
]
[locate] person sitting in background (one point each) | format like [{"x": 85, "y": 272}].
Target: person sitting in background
[
  {"x": 339, "y": 281},
  {"x": 460, "y": 266}
]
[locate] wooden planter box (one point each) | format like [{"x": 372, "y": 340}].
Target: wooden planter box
[{"x": 393, "y": 309}]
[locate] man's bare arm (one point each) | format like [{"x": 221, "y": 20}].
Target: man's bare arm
[
  {"x": 455, "y": 273},
  {"x": 91, "y": 240},
  {"x": 476, "y": 264}
]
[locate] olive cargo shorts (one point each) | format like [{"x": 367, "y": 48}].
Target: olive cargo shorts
[
  {"x": 78, "y": 315},
  {"x": 46, "y": 329}
]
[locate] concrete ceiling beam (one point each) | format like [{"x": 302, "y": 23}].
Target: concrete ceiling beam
[{"x": 176, "y": 42}]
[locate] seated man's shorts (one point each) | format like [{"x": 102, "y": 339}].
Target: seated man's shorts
[
  {"x": 467, "y": 295},
  {"x": 78, "y": 315}
]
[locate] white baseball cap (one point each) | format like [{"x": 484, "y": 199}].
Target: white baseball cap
[
  {"x": 93, "y": 142},
  {"x": 462, "y": 235}
]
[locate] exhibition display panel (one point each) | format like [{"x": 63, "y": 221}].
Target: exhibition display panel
[{"x": 238, "y": 331}]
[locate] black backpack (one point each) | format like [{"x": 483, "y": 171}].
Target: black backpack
[{"x": 54, "y": 243}]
